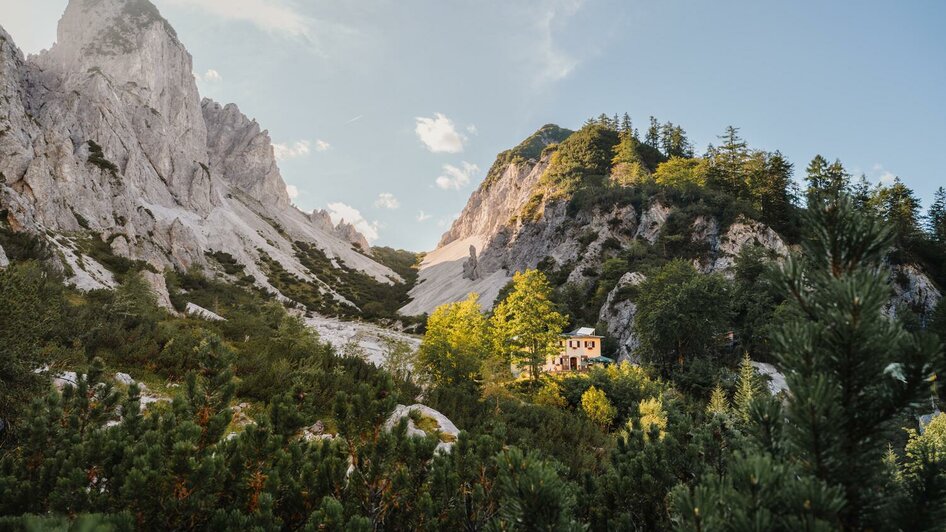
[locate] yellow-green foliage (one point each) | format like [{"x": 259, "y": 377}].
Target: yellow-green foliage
[
  {"x": 652, "y": 415},
  {"x": 680, "y": 172},
  {"x": 551, "y": 395},
  {"x": 597, "y": 407},
  {"x": 718, "y": 404},
  {"x": 456, "y": 342},
  {"x": 932, "y": 442},
  {"x": 526, "y": 325}
]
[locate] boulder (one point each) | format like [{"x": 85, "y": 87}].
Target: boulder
[{"x": 445, "y": 427}]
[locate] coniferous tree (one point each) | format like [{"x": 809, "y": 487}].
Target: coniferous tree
[
  {"x": 748, "y": 388},
  {"x": 936, "y": 217},
  {"x": 653, "y": 134},
  {"x": 31, "y": 297},
  {"x": 826, "y": 181},
  {"x": 627, "y": 128},
  {"x": 527, "y": 328},
  {"x": 861, "y": 192},
  {"x": 729, "y": 159},
  {"x": 850, "y": 369},
  {"x": 816, "y": 175},
  {"x": 900, "y": 208},
  {"x": 718, "y": 403}
]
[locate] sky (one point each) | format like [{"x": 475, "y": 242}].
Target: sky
[{"x": 389, "y": 113}]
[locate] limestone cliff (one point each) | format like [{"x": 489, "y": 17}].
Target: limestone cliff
[{"x": 105, "y": 136}]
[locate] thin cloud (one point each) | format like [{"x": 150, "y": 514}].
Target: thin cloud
[
  {"x": 439, "y": 134},
  {"x": 298, "y": 148},
  {"x": 292, "y": 191},
  {"x": 423, "y": 216},
  {"x": 273, "y": 16},
  {"x": 340, "y": 212},
  {"x": 353, "y": 120},
  {"x": 541, "y": 52},
  {"x": 386, "y": 200},
  {"x": 321, "y": 145},
  {"x": 456, "y": 177}
]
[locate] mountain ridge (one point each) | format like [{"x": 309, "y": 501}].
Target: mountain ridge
[{"x": 107, "y": 137}]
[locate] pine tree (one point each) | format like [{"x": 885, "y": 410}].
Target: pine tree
[
  {"x": 851, "y": 371},
  {"x": 860, "y": 193},
  {"x": 666, "y": 138},
  {"x": 653, "y": 134},
  {"x": 729, "y": 159},
  {"x": 30, "y": 309},
  {"x": 748, "y": 387},
  {"x": 526, "y": 325},
  {"x": 718, "y": 403},
  {"x": 826, "y": 181},
  {"x": 901, "y": 209},
  {"x": 936, "y": 217},
  {"x": 627, "y": 128}
]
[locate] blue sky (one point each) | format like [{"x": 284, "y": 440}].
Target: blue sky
[{"x": 392, "y": 111}]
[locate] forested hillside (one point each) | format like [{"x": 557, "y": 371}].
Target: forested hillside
[{"x": 163, "y": 420}]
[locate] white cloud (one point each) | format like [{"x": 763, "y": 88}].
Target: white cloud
[
  {"x": 291, "y": 151},
  {"x": 439, "y": 134},
  {"x": 457, "y": 178},
  {"x": 423, "y": 216},
  {"x": 274, "y": 16},
  {"x": 321, "y": 145},
  {"x": 339, "y": 211},
  {"x": 293, "y": 191},
  {"x": 212, "y": 76},
  {"x": 471, "y": 129},
  {"x": 884, "y": 176},
  {"x": 386, "y": 200}
]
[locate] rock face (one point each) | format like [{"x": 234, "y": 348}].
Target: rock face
[
  {"x": 722, "y": 250},
  {"x": 618, "y": 314},
  {"x": 913, "y": 289},
  {"x": 106, "y": 134},
  {"x": 491, "y": 224},
  {"x": 489, "y": 209},
  {"x": 243, "y": 154}
]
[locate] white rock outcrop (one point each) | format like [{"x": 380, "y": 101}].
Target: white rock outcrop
[
  {"x": 444, "y": 425},
  {"x": 201, "y": 312},
  {"x": 618, "y": 313}
]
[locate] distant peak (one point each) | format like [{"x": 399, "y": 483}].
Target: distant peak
[{"x": 108, "y": 27}]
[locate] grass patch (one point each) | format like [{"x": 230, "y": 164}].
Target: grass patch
[{"x": 430, "y": 426}]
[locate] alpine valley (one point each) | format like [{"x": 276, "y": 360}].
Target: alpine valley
[{"x": 182, "y": 348}]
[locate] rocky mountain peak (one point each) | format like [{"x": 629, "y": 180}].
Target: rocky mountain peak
[
  {"x": 242, "y": 153},
  {"x": 507, "y": 187},
  {"x": 91, "y": 29}
]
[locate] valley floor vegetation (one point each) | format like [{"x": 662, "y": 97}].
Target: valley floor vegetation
[
  {"x": 618, "y": 448},
  {"x": 265, "y": 427}
]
